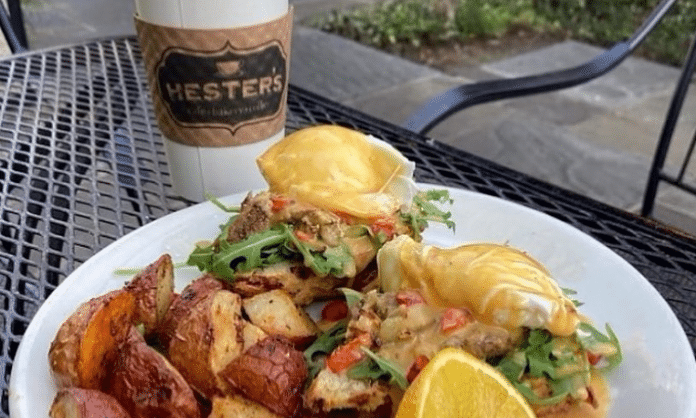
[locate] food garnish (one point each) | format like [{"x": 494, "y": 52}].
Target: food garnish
[
  {"x": 456, "y": 384},
  {"x": 315, "y": 354}
]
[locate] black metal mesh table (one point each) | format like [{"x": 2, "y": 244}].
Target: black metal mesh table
[{"x": 82, "y": 164}]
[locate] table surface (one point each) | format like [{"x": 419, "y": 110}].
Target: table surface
[{"x": 82, "y": 164}]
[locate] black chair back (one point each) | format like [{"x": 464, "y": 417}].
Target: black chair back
[
  {"x": 12, "y": 25},
  {"x": 461, "y": 97}
]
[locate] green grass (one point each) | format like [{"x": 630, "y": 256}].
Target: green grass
[{"x": 396, "y": 24}]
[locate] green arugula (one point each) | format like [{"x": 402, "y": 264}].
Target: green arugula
[
  {"x": 376, "y": 367},
  {"x": 265, "y": 248},
  {"x": 590, "y": 338},
  {"x": 570, "y": 292},
  {"x": 353, "y": 297},
  {"x": 279, "y": 243},
  {"x": 333, "y": 260},
  {"x": 424, "y": 210},
  {"x": 258, "y": 250},
  {"x": 321, "y": 347},
  {"x": 215, "y": 201},
  {"x": 535, "y": 357},
  {"x": 541, "y": 355}
]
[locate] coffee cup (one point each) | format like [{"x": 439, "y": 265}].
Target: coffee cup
[{"x": 218, "y": 75}]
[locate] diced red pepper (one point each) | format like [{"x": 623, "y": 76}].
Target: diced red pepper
[
  {"x": 335, "y": 310},
  {"x": 387, "y": 226},
  {"x": 454, "y": 318},
  {"x": 347, "y": 354},
  {"x": 415, "y": 368},
  {"x": 303, "y": 236},
  {"x": 409, "y": 297},
  {"x": 279, "y": 202},
  {"x": 593, "y": 358},
  {"x": 346, "y": 218}
]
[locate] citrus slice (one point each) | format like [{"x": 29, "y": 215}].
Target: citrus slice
[{"x": 456, "y": 384}]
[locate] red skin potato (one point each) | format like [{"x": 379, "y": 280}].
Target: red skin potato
[
  {"x": 147, "y": 385},
  {"x": 85, "y": 403},
  {"x": 271, "y": 372}
]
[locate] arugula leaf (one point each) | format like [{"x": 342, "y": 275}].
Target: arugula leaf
[
  {"x": 539, "y": 354},
  {"x": 353, "y": 297},
  {"x": 424, "y": 210},
  {"x": 557, "y": 359},
  {"x": 378, "y": 367},
  {"x": 591, "y": 339},
  {"x": 265, "y": 248},
  {"x": 513, "y": 367},
  {"x": 333, "y": 260},
  {"x": 535, "y": 357},
  {"x": 322, "y": 346},
  {"x": 261, "y": 249},
  {"x": 258, "y": 250},
  {"x": 130, "y": 271},
  {"x": 571, "y": 292},
  {"x": 367, "y": 369},
  {"x": 214, "y": 200}
]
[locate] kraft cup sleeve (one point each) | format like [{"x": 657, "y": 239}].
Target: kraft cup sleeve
[{"x": 218, "y": 87}]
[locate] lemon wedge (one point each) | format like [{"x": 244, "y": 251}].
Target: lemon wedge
[
  {"x": 341, "y": 170},
  {"x": 456, "y": 384},
  {"x": 502, "y": 285}
]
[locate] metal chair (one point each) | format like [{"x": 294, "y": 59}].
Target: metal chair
[
  {"x": 12, "y": 25},
  {"x": 454, "y": 100}
]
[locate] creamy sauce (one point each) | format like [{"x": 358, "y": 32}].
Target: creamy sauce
[
  {"x": 418, "y": 331},
  {"x": 502, "y": 285},
  {"x": 600, "y": 391}
]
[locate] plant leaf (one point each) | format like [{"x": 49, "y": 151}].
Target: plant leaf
[
  {"x": 322, "y": 346},
  {"x": 396, "y": 375}
]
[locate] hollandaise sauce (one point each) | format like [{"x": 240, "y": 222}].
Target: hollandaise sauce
[{"x": 502, "y": 285}]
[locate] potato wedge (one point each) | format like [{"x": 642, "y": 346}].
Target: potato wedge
[
  {"x": 206, "y": 339},
  {"x": 252, "y": 334},
  {"x": 147, "y": 384},
  {"x": 192, "y": 294},
  {"x": 272, "y": 373},
  {"x": 276, "y": 314},
  {"x": 85, "y": 403},
  {"x": 87, "y": 342},
  {"x": 238, "y": 407},
  {"x": 153, "y": 288}
]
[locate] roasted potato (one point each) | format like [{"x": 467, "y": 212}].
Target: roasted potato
[
  {"x": 276, "y": 314},
  {"x": 153, "y": 288},
  {"x": 251, "y": 334},
  {"x": 87, "y": 342},
  {"x": 181, "y": 305},
  {"x": 206, "y": 339},
  {"x": 271, "y": 372},
  {"x": 238, "y": 407},
  {"x": 85, "y": 403},
  {"x": 147, "y": 385}
]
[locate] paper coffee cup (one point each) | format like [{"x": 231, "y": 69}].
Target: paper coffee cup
[{"x": 218, "y": 72}]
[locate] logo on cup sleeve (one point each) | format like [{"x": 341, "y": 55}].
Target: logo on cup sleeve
[{"x": 226, "y": 88}]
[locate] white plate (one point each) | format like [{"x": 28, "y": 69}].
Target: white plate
[{"x": 657, "y": 378}]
